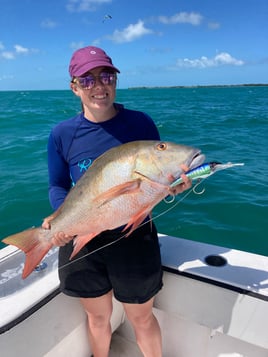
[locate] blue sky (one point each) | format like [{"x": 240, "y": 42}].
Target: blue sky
[{"x": 152, "y": 42}]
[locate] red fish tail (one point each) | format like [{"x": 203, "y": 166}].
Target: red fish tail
[{"x": 30, "y": 243}]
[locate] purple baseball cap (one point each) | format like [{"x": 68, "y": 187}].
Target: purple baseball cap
[{"x": 87, "y": 58}]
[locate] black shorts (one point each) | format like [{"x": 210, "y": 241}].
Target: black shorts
[{"x": 130, "y": 266}]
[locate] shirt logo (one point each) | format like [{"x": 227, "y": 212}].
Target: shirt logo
[{"x": 84, "y": 164}]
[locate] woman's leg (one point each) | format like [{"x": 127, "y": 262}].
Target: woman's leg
[
  {"x": 146, "y": 327},
  {"x": 99, "y": 311}
]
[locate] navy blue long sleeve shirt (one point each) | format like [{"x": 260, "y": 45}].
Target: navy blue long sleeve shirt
[{"x": 75, "y": 143}]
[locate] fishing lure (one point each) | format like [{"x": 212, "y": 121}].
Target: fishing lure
[{"x": 205, "y": 170}]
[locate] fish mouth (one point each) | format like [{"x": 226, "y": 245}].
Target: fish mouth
[{"x": 197, "y": 160}]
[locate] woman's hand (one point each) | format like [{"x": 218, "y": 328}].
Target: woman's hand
[
  {"x": 181, "y": 187},
  {"x": 60, "y": 238}
]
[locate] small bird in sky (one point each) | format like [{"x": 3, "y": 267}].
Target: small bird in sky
[{"x": 106, "y": 17}]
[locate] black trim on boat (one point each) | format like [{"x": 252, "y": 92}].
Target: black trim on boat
[
  {"x": 217, "y": 283},
  {"x": 29, "y": 312}
]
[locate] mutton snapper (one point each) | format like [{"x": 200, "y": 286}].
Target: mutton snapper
[{"x": 120, "y": 189}]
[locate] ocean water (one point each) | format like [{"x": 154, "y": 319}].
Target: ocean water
[{"x": 226, "y": 123}]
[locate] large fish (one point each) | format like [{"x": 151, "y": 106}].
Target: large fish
[{"x": 119, "y": 189}]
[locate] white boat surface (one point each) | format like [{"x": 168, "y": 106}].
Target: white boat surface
[{"x": 214, "y": 303}]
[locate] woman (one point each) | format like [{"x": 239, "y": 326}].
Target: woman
[{"x": 129, "y": 269}]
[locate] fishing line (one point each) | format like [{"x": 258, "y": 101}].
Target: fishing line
[
  {"x": 93, "y": 251},
  {"x": 176, "y": 204},
  {"x": 193, "y": 189}
]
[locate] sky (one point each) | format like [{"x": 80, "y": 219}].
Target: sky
[{"x": 152, "y": 42}]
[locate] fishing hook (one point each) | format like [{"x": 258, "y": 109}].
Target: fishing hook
[
  {"x": 198, "y": 192},
  {"x": 171, "y": 200}
]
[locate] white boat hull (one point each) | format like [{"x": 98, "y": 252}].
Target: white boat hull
[{"x": 203, "y": 311}]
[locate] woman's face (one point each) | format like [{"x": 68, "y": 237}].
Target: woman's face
[{"x": 97, "y": 90}]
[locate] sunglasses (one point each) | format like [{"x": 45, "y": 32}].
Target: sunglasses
[{"x": 89, "y": 81}]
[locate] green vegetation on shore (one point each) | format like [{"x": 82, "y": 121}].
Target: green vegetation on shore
[{"x": 205, "y": 86}]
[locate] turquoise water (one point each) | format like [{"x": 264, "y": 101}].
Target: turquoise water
[{"x": 226, "y": 123}]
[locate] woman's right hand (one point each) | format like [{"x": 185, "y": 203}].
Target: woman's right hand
[{"x": 60, "y": 238}]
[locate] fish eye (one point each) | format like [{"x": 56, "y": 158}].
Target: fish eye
[{"x": 161, "y": 146}]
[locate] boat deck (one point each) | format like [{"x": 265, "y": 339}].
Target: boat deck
[{"x": 123, "y": 347}]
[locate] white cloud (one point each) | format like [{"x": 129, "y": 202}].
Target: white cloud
[
  {"x": 84, "y": 5},
  {"x": 130, "y": 33},
  {"x": 214, "y": 25},
  {"x": 18, "y": 50},
  {"x": 49, "y": 24},
  {"x": 76, "y": 45},
  {"x": 21, "y": 49},
  {"x": 7, "y": 55},
  {"x": 6, "y": 76},
  {"x": 220, "y": 59},
  {"x": 192, "y": 18}
]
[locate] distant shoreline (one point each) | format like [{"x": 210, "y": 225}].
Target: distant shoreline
[
  {"x": 152, "y": 87},
  {"x": 204, "y": 86}
]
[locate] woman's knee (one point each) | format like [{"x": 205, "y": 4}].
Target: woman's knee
[
  {"x": 98, "y": 320},
  {"x": 99, "y": 309},
  {"x": 140, "y": 315}
]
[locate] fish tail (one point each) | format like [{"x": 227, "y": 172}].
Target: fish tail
[{"x": 35, "y": 248}]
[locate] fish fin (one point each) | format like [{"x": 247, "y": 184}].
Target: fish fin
[
  {"x": 137, "y": 219},
  {"x": 34, "y": 248},
  {"x": 80, "y": 241},
  {"x": 116, "y": 191}
]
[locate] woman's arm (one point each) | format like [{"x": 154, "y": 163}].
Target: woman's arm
[{"x": 58, "y": 173}]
